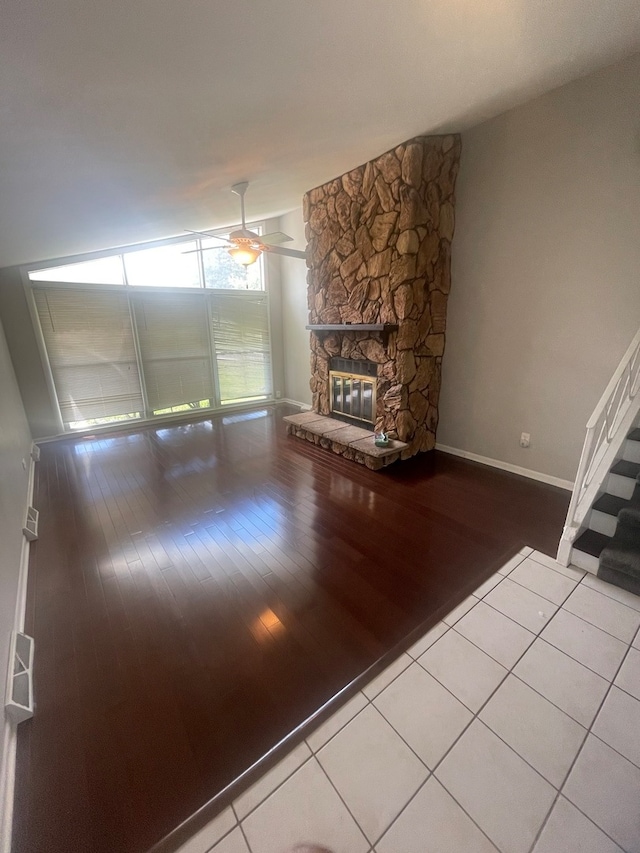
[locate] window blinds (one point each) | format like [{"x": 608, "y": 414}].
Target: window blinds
[
  {"x": 174, "y": 347},
  {"x": 241, "y": 343},
  {"x": 102, "y": 343},
  {"x": 89, "y": 340}
]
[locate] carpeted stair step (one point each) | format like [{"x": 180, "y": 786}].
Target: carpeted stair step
[
  {"x": 591, "y": 542},
  {"x": 619, "y": 556},
  {"x": 630, "y": 517},
  {"x": 610, "y": 504},
  {"x": 626, "y": 469},
  {"x": 620, "y": 579},
  {"x": 622, "y": 552},
  {"x": 619, "y": 561}
]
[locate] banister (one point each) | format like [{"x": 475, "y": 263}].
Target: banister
[
  {"x": 605, "y": 433},
  {"x": 608, "y": 391}
]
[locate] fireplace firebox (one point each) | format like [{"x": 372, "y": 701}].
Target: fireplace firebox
[{"x": 352, "y": 391}]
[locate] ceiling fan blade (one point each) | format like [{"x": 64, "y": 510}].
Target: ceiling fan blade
[
  {"x": 289, "y": 253},
  {"x": 275, "y": 237},
  {"x": 205, "y": 249},
  {"x": 205, "y": 234}
]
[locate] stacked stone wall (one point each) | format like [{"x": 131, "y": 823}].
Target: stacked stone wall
[{"x": 379, "y": 250}]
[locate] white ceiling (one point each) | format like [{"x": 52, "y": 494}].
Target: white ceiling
[{"x": 128, "y": 120}]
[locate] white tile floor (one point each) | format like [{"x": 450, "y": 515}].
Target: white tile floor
[{"x": 513, "y": 726}]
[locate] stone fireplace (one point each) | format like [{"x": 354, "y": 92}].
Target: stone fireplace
[{"x": 379, "y": 259}]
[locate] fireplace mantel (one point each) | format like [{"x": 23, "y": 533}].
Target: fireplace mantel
[{"x": 353, "y": 327}]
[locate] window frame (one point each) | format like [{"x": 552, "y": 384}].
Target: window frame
[{"x": 146, "y": 417}]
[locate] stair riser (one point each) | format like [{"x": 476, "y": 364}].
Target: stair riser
[
  {"x": 602, "y": 522},
  {"x": 584, "y": 561},
  {"x": 631, "y": 451},
  {"x": 620, "y": 486}
]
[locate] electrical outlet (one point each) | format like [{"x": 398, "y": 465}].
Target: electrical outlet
[{"x": 525, "y": 439}]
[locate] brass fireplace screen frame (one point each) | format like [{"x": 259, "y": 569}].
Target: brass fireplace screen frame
[{"x": 353, "y": 395}]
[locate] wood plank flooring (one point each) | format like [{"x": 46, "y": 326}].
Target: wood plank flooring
[{"x": 198, "y": 590}]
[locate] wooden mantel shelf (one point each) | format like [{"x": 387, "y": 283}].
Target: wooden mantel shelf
[{"x": 354, "y": 327}]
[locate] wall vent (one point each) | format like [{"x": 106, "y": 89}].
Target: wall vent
[
  {"x": 30, "y": 528},
  {"x": 19, "y": 699}
]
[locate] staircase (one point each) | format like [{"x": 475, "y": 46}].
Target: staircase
[
  {"x": 611, "y": 543},
  {"x": 602, "y": 530}
]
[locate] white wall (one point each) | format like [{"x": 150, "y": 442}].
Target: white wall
[
  {"x": 295, "y": 315},
  {"x": 272, "y": 269},
  {"x": 15, "y": 444},
  {"x": 546, "y": 271}
]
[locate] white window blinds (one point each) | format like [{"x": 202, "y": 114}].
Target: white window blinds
[
  {"x": 174, "y": 348},
  {"x": 89, "y": 341},
  {"x": 241, "y": 343}
]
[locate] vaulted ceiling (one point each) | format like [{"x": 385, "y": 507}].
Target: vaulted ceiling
[{"x": 128, "y": 120}]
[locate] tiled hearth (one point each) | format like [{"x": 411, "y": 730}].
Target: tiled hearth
[{"x": 511, "y": 726}]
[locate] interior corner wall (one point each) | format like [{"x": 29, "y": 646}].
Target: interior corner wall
[
  {"x": 274, "y": 284},
  {"x": 15, "y": 445},
  {"x": 545, "y": 294},
  {"x": 297, "y": 371},
  {"x": 25, "y": 354}
]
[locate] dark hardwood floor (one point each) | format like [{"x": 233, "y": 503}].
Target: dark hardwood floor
[{"x": 198, "y": 590}]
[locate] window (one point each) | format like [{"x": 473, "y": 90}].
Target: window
[
  {"x": 175, "y": 265},
  {"x": 174, "y": 350},
  {"x": 90, "y": 344},
  {"x": 100, "y": 271},
  {"x": 222, "y": 272},
  {"x": 185, "y": 329},
  {"x": 188, "y": 263},
  {"x": 241, "y": 341}
]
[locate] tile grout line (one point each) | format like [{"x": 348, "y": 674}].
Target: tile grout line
[
  {"x": 412, "y": 798},
  {"x": 476, "y": 716},
  {"x": 370, "y": 702},
  {"x": 509, "y": 671},
  {"x": 546, "y": 698},
  {"x": 573, "y": 763},
  {"x": 606, "y": 594},
  {"x": 353, "y": 817},
  {"x": 244, "y": 835},
  {"x": 539, "y": 634},
  {"x": 277, "y": 787},
  {"x": 430, "y": 772},
  {"x": 471, "y": 721},
  {"x": 535, "y": 592},
  {"x": 588, "y": 730},
  {"x": 224, "y": 835}
]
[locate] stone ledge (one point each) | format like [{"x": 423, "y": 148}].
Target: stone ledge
[{"x": 352, "y": 442}]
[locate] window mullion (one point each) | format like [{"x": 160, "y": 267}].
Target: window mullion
[
  {"x": 203, "y": 283},
  {"x": 125, "y": 280},
  {"x": 212, "y": 351},
  {"x": 136, "y": 343}
]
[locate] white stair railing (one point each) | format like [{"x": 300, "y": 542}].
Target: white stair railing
[{"x": 607, "y": 430}]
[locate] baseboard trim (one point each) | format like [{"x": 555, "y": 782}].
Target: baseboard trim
[
  {"x": 507, "y": 466},
  {"x": 9, "y": 729},
  {"x": 304, "y": 406}
]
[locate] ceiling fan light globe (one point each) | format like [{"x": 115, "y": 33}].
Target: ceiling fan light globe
[{"x": 245, "y": 255}]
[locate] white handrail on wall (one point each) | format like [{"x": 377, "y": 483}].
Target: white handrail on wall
[{"x": 607, "y": 430}]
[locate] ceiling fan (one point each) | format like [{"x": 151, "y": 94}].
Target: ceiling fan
[{"x": 246, "y": 246}]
